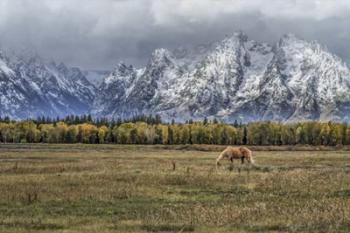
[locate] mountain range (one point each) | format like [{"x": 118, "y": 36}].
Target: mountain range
[
  {"x": 32, "y": 87},
  {"x": 233, "y": 79}
]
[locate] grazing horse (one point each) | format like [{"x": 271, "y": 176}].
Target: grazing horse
[{"x": 231, "y": 153}]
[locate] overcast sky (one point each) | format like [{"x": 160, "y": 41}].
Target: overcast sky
[{"x": 97, "y": 34}]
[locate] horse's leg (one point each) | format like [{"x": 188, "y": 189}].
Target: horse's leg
[
  {"x": 231, "y": 163},
  {"x": 242, "y": 159}
]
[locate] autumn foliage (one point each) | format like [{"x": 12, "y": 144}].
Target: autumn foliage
[{"x": 155, "y": 132}]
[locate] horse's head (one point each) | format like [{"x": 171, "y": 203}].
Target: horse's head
[{"x": 250, "y": 159}]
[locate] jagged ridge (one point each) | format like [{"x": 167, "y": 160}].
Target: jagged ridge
[{"x": 233, "y": 79}]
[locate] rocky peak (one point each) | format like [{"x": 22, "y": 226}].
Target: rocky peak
[
  {"x": 123, "y": 70},
  {"x": 161, "y": 57}
]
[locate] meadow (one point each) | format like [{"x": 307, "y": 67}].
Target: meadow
[{"x": 128, "y": 188}]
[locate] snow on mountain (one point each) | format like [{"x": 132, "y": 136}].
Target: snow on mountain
[
  {"x": 318, "y": 80},
  {"x": 236, "y": 78},
  {"x": 31, "y": 87},
  {"x": 114, "y": 90}
]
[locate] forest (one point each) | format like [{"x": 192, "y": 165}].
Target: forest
[{"x": 151, "y": 130}]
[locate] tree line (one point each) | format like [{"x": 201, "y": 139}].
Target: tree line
[{"x": 151, "y": 130}]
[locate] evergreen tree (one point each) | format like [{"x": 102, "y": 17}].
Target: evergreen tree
[
  {"x": 170, "y": 136},
  {"x": 205, "y": 121},
  {"x": 245, "y": 137}
]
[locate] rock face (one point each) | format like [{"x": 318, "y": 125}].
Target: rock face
[
  {"x": 31, "y": 87},
  {"x": 95, "y": 77},
  {"x": 233, "y": 79}
]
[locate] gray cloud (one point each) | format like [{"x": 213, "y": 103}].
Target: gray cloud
[{"x": 97, "y": 34}]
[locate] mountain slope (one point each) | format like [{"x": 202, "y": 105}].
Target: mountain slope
[
  {"x": 309, "y": 83},
  {"x": 236, "y": 78},
  {"x": 31, "y": 87}
]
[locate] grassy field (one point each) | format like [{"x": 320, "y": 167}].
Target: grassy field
[{"x": 110, "y": 188}]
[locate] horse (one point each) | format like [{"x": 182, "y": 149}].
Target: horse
[{"x": 231, "y": 153}]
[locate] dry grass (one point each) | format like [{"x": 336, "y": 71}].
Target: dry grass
[{"x": 109, "y": 188}]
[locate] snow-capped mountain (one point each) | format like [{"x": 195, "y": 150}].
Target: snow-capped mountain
[
  {"x": 31, "y": 87},
  {"x": 236, "y": 78}
]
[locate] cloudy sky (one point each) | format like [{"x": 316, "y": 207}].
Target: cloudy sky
[{"x": 97, "y": 34}]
